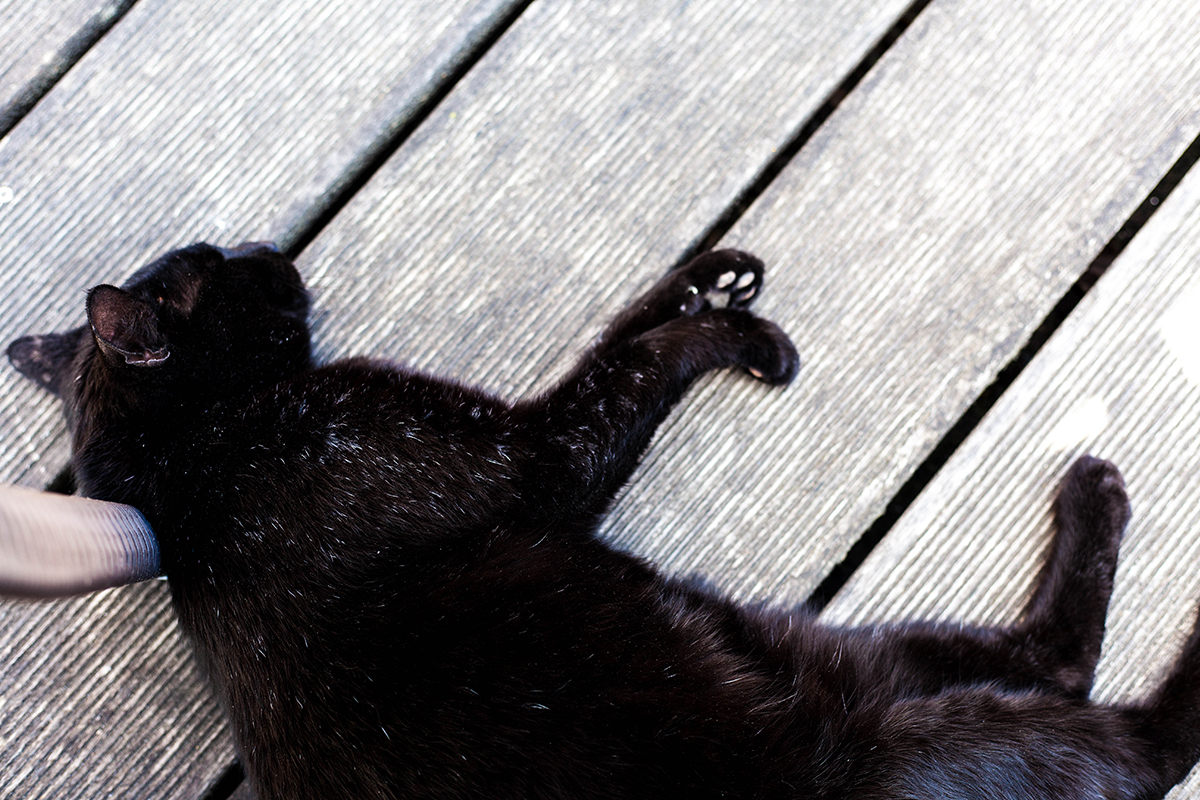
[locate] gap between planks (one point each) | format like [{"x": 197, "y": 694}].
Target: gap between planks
[{"x": 970, "y": 419}]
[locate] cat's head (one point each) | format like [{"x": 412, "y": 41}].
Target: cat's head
[
  {"x": 195, "y": 325},
  {"x": 193, "y": 328}
]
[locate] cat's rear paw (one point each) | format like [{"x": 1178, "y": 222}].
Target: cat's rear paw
[
  {"x": 1092, "y": 487},
  {"x": 1095, "y": 475},
  {"x": 719, "y": 278}
]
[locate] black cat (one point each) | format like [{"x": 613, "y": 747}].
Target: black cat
[{"x": 394, "y": 584}]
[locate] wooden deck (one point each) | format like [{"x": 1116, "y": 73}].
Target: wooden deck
[{"x": 475, "y": 186}]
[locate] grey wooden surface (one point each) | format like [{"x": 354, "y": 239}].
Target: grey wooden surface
[
  {"x": 41, "y": 41},
  {"x": 916, "y": 242},
  {"x": 1120, "y": 379},
  {"x": 912, "y": 246},
  {"x": 899, "y": 204}
]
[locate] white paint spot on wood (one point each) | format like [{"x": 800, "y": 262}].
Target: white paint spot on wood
[
  {"x": 1180, "y": 329},
  {"x": 7, "y": 195},
  {"x": 1083, "y": 422}
]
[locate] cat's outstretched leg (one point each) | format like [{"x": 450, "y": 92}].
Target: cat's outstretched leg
[
  {"x": 585, "y": 435},
  {"x": 730, "y": 277},
  {"x": 1062, "y": 626},
  {"x": 1056, "y": 643}
]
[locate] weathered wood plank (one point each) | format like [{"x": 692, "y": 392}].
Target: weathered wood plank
[
  {"x": 583, "y": 155},
  {"x": 41, "y": 41},
  {"x": 203, "y": 123},
  {"x": 1119, "y": 379},
  {"x": 917, "y": 240},
  {"x": 591, "y": 146},
  {"x": 226, "y": 121},
  {"x": 513, "y": 172},
  {"x": 818, "y": 49}
]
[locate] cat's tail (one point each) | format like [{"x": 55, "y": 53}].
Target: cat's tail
[{"x": 1169, "y": 721}]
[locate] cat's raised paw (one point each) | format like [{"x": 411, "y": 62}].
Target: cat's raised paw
[{"x": 719, "y": 278}]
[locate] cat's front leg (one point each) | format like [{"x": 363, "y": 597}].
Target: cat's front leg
[
  {"x": 588, "y": 433},
  {"x": 718, "y": 278}
]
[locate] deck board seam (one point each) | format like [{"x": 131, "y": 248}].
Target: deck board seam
[
  {"x": 227, "y": 783},
  {"x": 72, "y": 51},
  {"x": 374, "y": 159},
  {"x": 233, "y": 776},
  {"x": 970, "y": 419},
  {"x": 725, "y": 221}
]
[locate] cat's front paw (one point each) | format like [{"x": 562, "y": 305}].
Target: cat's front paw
[
  {"x": 719, "y": 278},
  {"x": 779, "y": 360},
  {"x": 766, "y": 352}
]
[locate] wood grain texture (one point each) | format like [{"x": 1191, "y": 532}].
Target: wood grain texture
[
  {"x": 223, "y": 121},
  {"x": 915, "y": 243},
  {"x": 1120, "y": 379},
  {"x": 99, "y": 698},
  {"x": 993, "y": 147},
  {"x": 41, "y": 41},
  {"x": 215, "y": 123},
  {"x": 591, "y": 146}
]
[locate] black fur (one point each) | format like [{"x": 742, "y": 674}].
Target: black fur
[{"x": 393, "y": 579}]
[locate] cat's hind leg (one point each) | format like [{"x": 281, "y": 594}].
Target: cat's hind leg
[
  {"x": 1056, "y": 643},
  {"x": 1168, "y": 723},
  {"x": 1062, "y": 626}
]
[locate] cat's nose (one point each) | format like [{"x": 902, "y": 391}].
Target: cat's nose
[{"x": 249, "y": 249}]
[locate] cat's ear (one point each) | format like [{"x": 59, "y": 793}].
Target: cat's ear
[
  {"x": 45, "y": 359},
  {"x": 126, "y": 328},
  {"x": 54, "y": 545}
]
